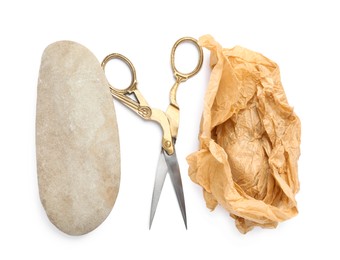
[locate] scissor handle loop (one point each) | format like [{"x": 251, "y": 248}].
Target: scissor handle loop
[
  {"x": 133, "y": 85},
  {"x": 180, "y": 75}
]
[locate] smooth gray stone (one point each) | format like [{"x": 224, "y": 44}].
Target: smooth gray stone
[{"x": 77, "y": 143}]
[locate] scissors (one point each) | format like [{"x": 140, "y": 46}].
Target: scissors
[{"x": 169, "y": 122}]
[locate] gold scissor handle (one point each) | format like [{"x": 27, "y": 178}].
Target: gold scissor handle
[
  {"x": 173, "y": 108},
  {"x": 140, "y": 106},
  {"x": 180, "y": 76},
  {"x": 133, "y": 85}
]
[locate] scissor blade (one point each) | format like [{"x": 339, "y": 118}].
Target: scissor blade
[
  {"x": 161, "y": 172},
  {"x": 175, "y": 175}
]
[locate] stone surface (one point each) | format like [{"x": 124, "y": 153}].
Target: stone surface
[{"x": 77, "y": 144}]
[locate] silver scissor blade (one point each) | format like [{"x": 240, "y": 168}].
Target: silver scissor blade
[
  {"x": 161, "y": 172},
  {"x": 175, "y": 175}
]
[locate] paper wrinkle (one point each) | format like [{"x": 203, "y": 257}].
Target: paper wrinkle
[{"x": 249, "y": 140}]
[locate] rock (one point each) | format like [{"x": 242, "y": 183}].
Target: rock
[{"x": 77, "y": 143}]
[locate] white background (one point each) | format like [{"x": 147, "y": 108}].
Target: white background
[{"x": 301, "y": 36}]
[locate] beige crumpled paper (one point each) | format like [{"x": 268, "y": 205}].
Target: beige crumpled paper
[{"x": 249, "y": 140}]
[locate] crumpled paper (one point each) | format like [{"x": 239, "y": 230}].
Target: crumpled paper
[{"x": 249, "y": 140}]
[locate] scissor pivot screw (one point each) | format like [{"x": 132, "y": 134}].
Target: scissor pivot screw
[{"x": 167, "y": 144}]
